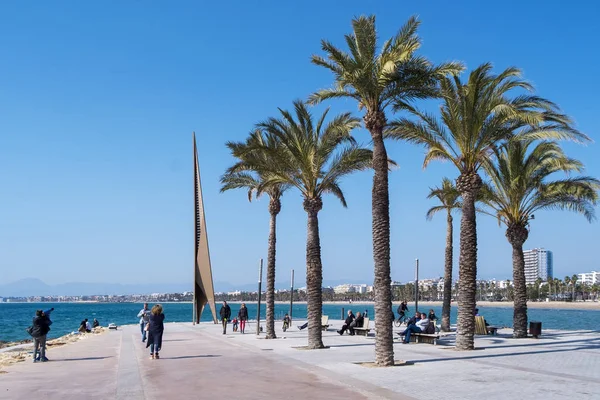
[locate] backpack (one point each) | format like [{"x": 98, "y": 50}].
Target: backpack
[{"x": 430, "y": 328}]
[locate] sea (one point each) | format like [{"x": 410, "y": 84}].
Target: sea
[{"x": 66, "y": 317}]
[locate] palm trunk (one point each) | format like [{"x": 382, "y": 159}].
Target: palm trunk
[
  {"x": 447, "y": 278},
  {"x": 384, "y": 341},
  {"x": 314, "y": 274},
  {"x": 468, "y": 185},
  {"x": 517, "y": 235},
  {"x": 274, "y": 208}
]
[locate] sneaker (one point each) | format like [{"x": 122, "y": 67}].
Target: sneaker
[
  {"x": 156, "y": 356},
  {"x": 152, "y": 356},
  {"x": 340, "y": 332},
  {"x": 44, "y": 359},
  {"x": 299, "y": 327}
]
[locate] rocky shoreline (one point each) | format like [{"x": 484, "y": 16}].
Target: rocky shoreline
[{"x": 19, "y": 351}]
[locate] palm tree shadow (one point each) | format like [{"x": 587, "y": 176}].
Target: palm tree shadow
[
  {"x": 487, "y": 356},
  {"x": 185, "y": 357}
]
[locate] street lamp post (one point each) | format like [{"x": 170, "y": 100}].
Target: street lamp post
[
  {"x": 259, "y": 292},
  {"x": 291, "y": 295},
  {"x": 417, "y": 284}
]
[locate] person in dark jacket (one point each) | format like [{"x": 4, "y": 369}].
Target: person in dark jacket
[
  {"x": 41, "y": 327},
  {"x": 349, "y": 319},
  {"x": 225, "y": 313},
  {"x": 243, "y": 317},
  {"x": 357, "y": 323},
  {"x": 156, "y": 328}
]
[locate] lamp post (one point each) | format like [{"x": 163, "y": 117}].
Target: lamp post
[
  {"x": 417, "y": 284},
  {"x": 291, "y": 295},
  {"x": 259, "y": 292}
]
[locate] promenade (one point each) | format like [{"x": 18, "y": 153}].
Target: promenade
[{"x": 200, "y": 362}]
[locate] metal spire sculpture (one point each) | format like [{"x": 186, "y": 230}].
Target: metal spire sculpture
[{"x": 204, "y": 291}]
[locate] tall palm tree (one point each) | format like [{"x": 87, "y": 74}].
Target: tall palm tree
[
  {"x": 567, "y": 283},
  {"x": 242, "y": 176},
  {"x": 449, "y": 199},
  {"x": 375, "y": 79},
  {"x": 476, "y": 116},
  {"x": 312, "y": 157},
  {"x": 574, "y": 282},
  {"x": 521, "y": 183}
]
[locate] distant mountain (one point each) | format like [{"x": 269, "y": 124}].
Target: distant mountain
[{"x": 35, "y": 287}]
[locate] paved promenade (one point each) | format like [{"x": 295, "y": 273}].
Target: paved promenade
[{"x": 198, "y": 361}]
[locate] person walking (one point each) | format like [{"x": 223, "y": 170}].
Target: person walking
[
  {"x": 243, "y": 317},
  {"x": 40, "y": 328},
  {"x": 156, "y": 328},
  {"x": 144, "y": 315},
  {"x": 225, "y": 313}
]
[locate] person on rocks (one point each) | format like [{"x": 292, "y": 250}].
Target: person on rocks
[
  {"x": 225, "y": 313},
  {"x": 96, "y": 323},
  {"x": 243, "y": 317},
  {"x": 40, "y": 328}
]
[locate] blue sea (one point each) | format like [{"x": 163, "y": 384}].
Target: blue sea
[{"x": 66, "y": 317}]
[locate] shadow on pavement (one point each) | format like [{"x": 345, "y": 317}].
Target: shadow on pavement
[{"x": 184, "y": 357}]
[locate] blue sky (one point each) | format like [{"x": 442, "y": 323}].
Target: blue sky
[{"x": 98, "y": 101}]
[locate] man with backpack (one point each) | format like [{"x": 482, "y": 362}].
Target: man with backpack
[{"x": 40, "y": 327}]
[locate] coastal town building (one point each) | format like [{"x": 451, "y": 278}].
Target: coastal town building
[
  {"x": 538, "y": 264},
  {"x": 589, "y": 278}
]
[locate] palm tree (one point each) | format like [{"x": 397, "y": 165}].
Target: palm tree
[
  {"x": 375, "y": 79},
  {"x": 242, "y": 176},
  {"x": 574, "y": 280},
  {"x": 567, "y": 283},
  {"x": 311, "y": 157},
  {"x": 520, "y": 185},
  {"x": 449, "y": 199},
  {"x": 476, "y": 117}
]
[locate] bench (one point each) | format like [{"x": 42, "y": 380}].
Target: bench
[
  {"x": 482, "y": 329},
  {"x": 363, "y": 330},
  {"x": 430, "y": 338},
  {"x": 324, "y": 322}
]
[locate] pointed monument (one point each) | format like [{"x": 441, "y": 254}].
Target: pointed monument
[{"x": 204, "y": 291}]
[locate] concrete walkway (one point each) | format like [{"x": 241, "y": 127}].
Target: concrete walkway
[
  {"x": 193, "y": 364},
  {"x": 200, "y": 362}
]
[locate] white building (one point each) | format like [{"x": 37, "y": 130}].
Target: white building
[
  {"x": 589, "y": 278},
  {"x": 538, "y": 264}
]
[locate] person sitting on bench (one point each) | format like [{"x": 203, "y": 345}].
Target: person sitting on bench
[
  {"x": 349, "y": 319},
  {"x": 357, "y": 323},
  {"x": 419, "y": 327},
  {"x": 414, "y": 320}
]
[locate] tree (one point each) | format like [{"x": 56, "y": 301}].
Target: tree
[
  {"x": 574, "y": 278},
  {"x": 449, "y": 199},
  {"x": 376, "y": 79},
  {"x": 476, "y": 117},
  {"x": 312, "y": 157},
  {"x": 521, "y": 183},
  {"x": 253, "y": 178}
]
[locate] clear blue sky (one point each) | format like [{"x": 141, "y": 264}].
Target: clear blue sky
[{"x": 98, "y": 101}]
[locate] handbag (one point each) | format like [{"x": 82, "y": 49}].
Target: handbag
[{"x": 30, "y": 330}]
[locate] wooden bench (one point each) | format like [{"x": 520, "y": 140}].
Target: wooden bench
[
  {"x": 482, "y": 329},
  {"x": 324, "y": 322},
  {"x": 363, "y": 330},
  {"x": 430, "y": 338}
]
